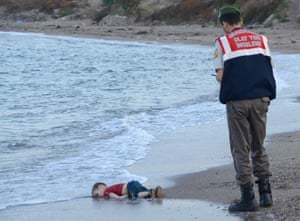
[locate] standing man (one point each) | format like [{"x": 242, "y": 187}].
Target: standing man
[{"x": 244, "y": 70}]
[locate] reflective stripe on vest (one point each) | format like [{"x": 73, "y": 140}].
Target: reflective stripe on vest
[{"x": 242, "y": 43}]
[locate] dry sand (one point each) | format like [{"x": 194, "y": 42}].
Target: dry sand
[
  {"x": 215, "y": 185},
  {"x": 284, "y": 39}
]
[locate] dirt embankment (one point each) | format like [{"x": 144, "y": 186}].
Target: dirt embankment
[{"x": 159, "y": 12}]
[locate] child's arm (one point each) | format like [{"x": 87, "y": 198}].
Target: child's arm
[{"x": 115, "y": 196}]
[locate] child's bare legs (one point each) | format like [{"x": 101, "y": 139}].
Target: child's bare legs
[{"x": 144, "y": 194}]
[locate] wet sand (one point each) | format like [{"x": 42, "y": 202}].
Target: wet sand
[{"x": 88, "y": 209}]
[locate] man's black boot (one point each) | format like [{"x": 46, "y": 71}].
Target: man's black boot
[
  {"x": 265, "y": 193},
  {"x": 247, "y": 201}
]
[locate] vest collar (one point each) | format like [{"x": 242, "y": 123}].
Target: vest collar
[{"x": 236, "y": 29}]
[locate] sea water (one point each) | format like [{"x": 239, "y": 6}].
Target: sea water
[{"x": 75, "y": 111}]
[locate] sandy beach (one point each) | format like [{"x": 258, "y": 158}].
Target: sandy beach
[
  {"x": 281, "y": 38},
  {"x": 218, "y": 184},
  {"x": 186, "y": 189}
]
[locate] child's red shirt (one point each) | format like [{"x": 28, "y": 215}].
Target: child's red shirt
[{"x": 116, "y": 189}]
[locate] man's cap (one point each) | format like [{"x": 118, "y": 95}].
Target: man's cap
[{"x": 228, "y": 10}]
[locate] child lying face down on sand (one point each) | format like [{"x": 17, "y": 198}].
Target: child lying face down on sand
[{"x": 132, "y": 190}]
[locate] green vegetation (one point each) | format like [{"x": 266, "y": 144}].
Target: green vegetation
[
  {"x": 118, "y": 7},
  {"x": 65, "y": 12},
  {"x": 181, "y": 12},
  {"x": 127, "y": 5},
  {"x": 280, "y": 10},
  {"x": 13, "y": 6},
  {"x": 101, "y": 14}
]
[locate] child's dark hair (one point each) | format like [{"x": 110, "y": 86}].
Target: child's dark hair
[
  {"x": 232, "y": 19},
  {"x": 95, "y": 186}
]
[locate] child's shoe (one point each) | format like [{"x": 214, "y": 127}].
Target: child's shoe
[
  {"x": 158, "y": 193},
  {"x": 152, "y": 193}
]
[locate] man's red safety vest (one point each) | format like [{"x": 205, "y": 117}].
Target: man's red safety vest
[
  {"x": 248, "y": 71},
  {"x": 242, "y": 42}
]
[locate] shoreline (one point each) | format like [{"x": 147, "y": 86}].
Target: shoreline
[
  {"x": 218, "y": 185},
  {"x": 88, "y": 209},
  {"x": 197, "y": 195}
]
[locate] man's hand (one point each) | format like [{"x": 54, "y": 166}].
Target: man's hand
[{"x": 219, "y": 75}]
